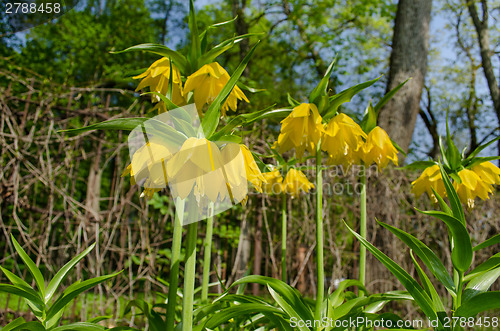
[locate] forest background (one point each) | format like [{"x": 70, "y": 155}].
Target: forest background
[{"x": 61, "y": 192}]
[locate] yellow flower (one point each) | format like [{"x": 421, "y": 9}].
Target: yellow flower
[
  {"x": 342, "y": 139},
  {"x": 378, "y": 148},
  {"x": 206, "y": 84},
  {"x": 296, "y": 181},
  {"x": 488, "y": 172},
  {"x": 301, "y": 130},
  {"x": 471, "y": 186},
  {"x": 274, "y": 183},
  {"x": 148, "y": 165},
  {"x": 429, "y": 179},
  {"x": 157, "y": 76},
  {"x": 253, "y": 173},
  {"x": 193, "y": 169}
]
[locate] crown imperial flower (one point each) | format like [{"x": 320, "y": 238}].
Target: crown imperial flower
[
  {"x": 430, "y": 179},
  {"x": 208, "y": 82},
  {"x": 471, "y": 186},
  {"x": 274, "y": 181},
  {"x": 296, "y": 181},
  {"x": 378, "y": 148},
  {"x": 301, "y": 130},
  {"x": 342, "y": 140},
  {"x": 157, "y": 77}
]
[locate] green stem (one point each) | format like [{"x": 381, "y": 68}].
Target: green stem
[
  {"x": 283, "y": 237},
  {"x": 459, "y": 289},
  {"x": 189, "y": 277},
  {"x": 174, "y": 263},
  {"x": 362, "y": 229},
  {"x": 319, "y": 235},
  {"x": 207, "y": 255}
]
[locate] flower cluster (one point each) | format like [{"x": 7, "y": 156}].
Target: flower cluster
[
  {"x": 342, "y": 138},
  {"x": 478, "y": 181},
  {"x": 205, "y": 84},
  {"x": 294, "y": 183},
  {"x": 199, "y": 168}
]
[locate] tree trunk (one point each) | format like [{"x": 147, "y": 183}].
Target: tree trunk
[
  {"x": 481, "y": 27},
  {"x": 410, "y": 47}
]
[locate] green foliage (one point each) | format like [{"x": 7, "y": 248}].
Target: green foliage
[{"x": 40, "y": 300}]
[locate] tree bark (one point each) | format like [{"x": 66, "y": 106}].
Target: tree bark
[
  {"x": 481, "y": 26},
  {"x": 410, "y": 47}
]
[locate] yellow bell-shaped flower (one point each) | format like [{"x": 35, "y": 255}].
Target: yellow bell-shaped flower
[
  {"x": 488, "y": 172},
  {"x": 274, "y": 183},
  {"x": 378, "y": 148},
  {"x": 296, "y": 181},
  {"x": 301, "y": 130},
  {"x": 342, "y": 140},
  {"x": 429, "y": 179},
  {"x": 206, "y": 84},
  {"x": 157, "y": 76},
  {"x": 471, "y": 186},
  {"x": 253, "y": 173},
  {"x": 196, "y": 168}
]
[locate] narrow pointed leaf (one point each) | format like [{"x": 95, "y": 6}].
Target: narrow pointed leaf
[
  {"x": 461, "y": 254},
  {"x": 286, "y": 307},
  {"x": 179, "y": 59},
  {"x": 346, "y": 96},
  {"x": 322, "y": 87},
  {"x": 33, "y": 269},
  {"x": 491, "y": 263},
  {"x": 388, "y": 96},
  {"x": 80, "y": 326},
  {"x": 127, "y": 124},
  {"x": 211, "y": 119},
  {"x": 12, "y": 325},
  {"x": 480, "y": 148},
  {"x": 455, "y": 204},
  {"x": 479, "y": 303},
  {"x": 425, "y": 254},
  {"x": 411, "y": 285},
  {"x": 487, "y": 243},
  {"x": 31, "y": 326},
  {"x": 480, "y": 284},
  {"x": 73, "y": 291},
  {"x": 26, "y": 293},
  {"x": 63, "y": 272},
  {"x": 195, "y": 38}
]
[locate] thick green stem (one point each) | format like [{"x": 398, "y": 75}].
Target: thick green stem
[
  {"x": 189, "y": 277},
  {"x": 283, "y": 237},
  {"x": 319, "y": 236},
  {"x": 174, "y": 263},
  {"x": 362, "y": 228},
  {"x": 207, "y": 255}
]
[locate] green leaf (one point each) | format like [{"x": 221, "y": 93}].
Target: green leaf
[
  {"x": 426, "y": 255},
  {"x": 346, "y": 96},
  {"x": 35, "y": 306},
  {"x": 369, "y": 121},
  {"x": 212, "y": 54},
  {"x": 211, "y": 119},
  {"x": 480, "y": 148},
  {"x": 80, "y": 326},
  {"x": 442, "y": 204},
  {"x": 179, "y": 59},
  {"x": 30, "y": 326},
  {"x": 461, "y": 254},
  {"x": 73, "y": 291},
  {"x": 127, "y": 124},
  {"x": 195, "y": 38},
  {"x": 9, "y": 327},
  {"x": 26, "y": 293},
  {"x": 388, "y": 96},
  {"x": 491, "y": 263},
  {"x": 286, "y": 307},
  {"x": 238, "y": 310},
  {"x": 479, "y": 160},
  {"x": 427, "y": 284},
  {"x": 336, "y": 297},
  {"x": 452, "y": 152},
  {"x": 216, "y": 25},
  {"x": 292, "y": 101},
  {"x": 411, "y": 285},
  {"x": 479, "y": 303},
  {"x": 455, "y": 204},
  {"x": 480, "y": 283},
  {"x": 487, "y": 243},
  {"x": 322, "y": 87},
  {"x": 33, "y": 269},
  {"x": 63, "y": 272}
]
